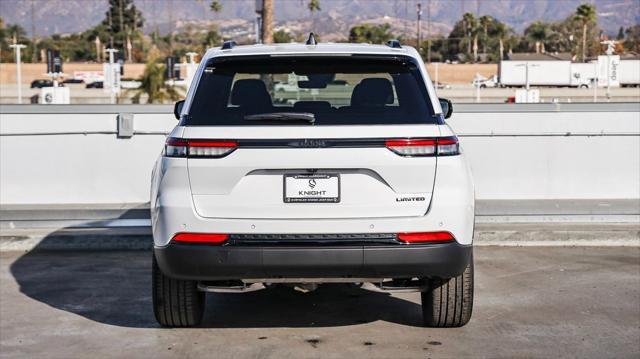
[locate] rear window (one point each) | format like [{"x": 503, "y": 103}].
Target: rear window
[{"x": 349, "y": 90}]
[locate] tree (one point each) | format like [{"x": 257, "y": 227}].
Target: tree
[
  {"x": 470, "y": 29},
  {"x": 215, "y": 6},
  {"x": 153, "y": 85},
  {"x": 537, "y": 33},
  {"x": 485, "y": 21},
  {"x": 620, "y": 34},
  {"x": 267, "y": 21},
  {"x": 123, "y": 20},
  {"x": 632, "y": 38},
  {"x": 282, "y": 36},
  {"x": 212, "y": 39},
  {"x": 372, "y": 34},
  {"x": 586, "y": 14},
  {"x": 313, "y": 6}
]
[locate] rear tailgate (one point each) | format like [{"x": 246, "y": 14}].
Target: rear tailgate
[{"x": 370, "y": 181}]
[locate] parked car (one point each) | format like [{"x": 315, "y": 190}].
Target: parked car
[
  {"x": 128, "y": 83},
  {"x": 73, "y": 81},
  {"x": 367, "y": 186},
  {"x": 36, "y": 84},
  {"x": 484, "y": 82},
  {"x": 95, "y": 85}
]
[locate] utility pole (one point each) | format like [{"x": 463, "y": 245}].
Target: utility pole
[
  {"x": 34, "y": 53},
  {"x": 429, "y": 31},
  {"x": 110, "y": 28},
  {"x": 267, "y": 21},
  {"x": 419, "y": 12},
  {"x": 258, "y": 25},
  {"x": 17, "y": 47}
]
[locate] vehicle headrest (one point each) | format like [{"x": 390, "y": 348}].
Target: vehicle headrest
[
  {"x": 372, "y": 92},
  {"x": 312, "y": 106},
  {"x": 250, "y": 93}
]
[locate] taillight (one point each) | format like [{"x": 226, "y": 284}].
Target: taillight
[
  {"x": 410, "y": 147},
  {"x": 441, "y": 146},
  {"x": 425, "y": 237},
  {"x": 177, "y": 147},
  {"x": 448, "y": 146},
  {"x": 203, "y": 238}
]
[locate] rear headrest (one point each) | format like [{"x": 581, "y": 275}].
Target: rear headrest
[
  {"x": 250, "y": 93},
  {"x": 372, "y": 92},
  {"x": 312, "y": 106}
]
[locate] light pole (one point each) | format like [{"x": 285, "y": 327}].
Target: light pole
[
  {"x": 419, "y": 11},
  {"x": 17, "y": 48},
  {"x": 610, "y": 49},
  {"x": 112, "y": 74}
]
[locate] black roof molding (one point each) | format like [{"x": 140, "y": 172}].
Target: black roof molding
[
  {"x": 394, "y": 43},
  {"x": 228, "y": 45}
]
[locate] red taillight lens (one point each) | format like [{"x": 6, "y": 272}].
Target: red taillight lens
[
  {"x": 442, "y": 146},
  {"x": 177, "y": 147},
  {"x": 202, "y": 148},
  {"x": 448, "y": 146},
  {"x": 425, "y": 237},
  {"x": 412, "y": 147},
  {"x": 205, "y": 238}
]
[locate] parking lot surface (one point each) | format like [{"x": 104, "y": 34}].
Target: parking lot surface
[{"x": 530, "y": 302}]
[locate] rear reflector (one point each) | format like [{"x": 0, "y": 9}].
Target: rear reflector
[
  {"x": 210, "y": 238},
  {"x": 425, "y": 237},
  {"x": 441, "y": 146},
  {"x": 176, "y": 147}
]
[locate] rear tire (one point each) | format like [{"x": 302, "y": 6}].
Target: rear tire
[
  {"x": 176, "y": 302},
  {"x": 449, "y": 302}
]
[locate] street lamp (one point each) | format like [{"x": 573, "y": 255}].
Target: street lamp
[{"x": 17, "y": 48}]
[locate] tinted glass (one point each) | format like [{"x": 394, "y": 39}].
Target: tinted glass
[{"x": 335, "y": 90}]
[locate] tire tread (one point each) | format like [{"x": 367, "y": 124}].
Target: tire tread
[{"x": 448, "y": 302}]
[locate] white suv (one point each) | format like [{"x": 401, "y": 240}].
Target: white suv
[{"x": 360, "y": 183}]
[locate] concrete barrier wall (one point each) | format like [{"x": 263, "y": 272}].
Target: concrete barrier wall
[{"x": 59, "y": 155}]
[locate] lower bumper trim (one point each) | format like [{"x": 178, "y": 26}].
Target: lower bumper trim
[{"x": 203, "y": 262}]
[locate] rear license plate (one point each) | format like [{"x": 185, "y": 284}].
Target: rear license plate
[{"x": 312, "y": 188}]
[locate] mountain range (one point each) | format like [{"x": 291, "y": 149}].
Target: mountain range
[{"x": 332, "y": 22}]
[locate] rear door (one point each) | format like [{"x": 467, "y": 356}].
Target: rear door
[
  {"x": 311, "y": 138},
  {"x": 265, "y": 178}
]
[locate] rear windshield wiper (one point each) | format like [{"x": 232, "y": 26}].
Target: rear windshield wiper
[{"x": 282, "y": 116}]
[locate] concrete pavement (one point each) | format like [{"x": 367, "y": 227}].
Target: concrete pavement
[{"x": 534, "y": 302}]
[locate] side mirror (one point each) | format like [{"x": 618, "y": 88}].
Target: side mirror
[
  {"x": 447, "y": 107},
  {"x": 177, "y": 109}
]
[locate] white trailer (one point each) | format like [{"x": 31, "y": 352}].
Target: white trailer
[
  {"x": 541, "y": 73},
  {"x": 629, "y": 73}
]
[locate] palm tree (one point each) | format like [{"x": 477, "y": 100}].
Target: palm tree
[
  {"x": 267, "y": 21},
  {"x": 313, "y": 6},
  {"x": 586, "y": 13},
  {"x": 538, "y": 32},
  {"x": 485, "y": 21},
  {"x": 501, "y": 30},
  {"x": 470, "y": 29},
  {"x": 215, "y": 6},
  {"x": 153, "y": 85}
]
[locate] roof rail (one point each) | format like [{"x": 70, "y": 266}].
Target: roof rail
[
  {"x": 394, "y": 43},
  {"x": 228, "y": 45},
  {"x": 312, "y": 39}
]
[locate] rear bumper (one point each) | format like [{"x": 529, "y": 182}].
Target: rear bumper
[{"x": 202, "y": 262}]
